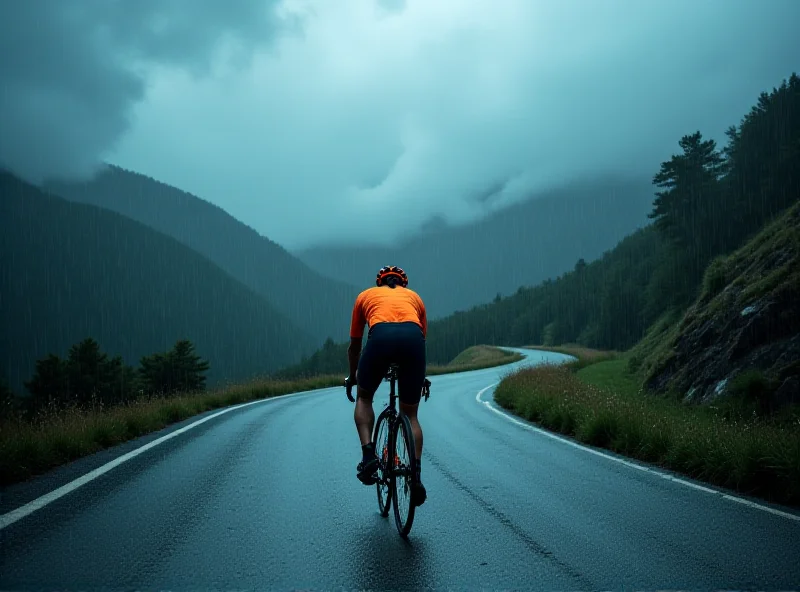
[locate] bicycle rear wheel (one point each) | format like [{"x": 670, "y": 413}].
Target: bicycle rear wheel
[
  {"x": 383, "y": 448},
  {"x": 404, "y": 473}
]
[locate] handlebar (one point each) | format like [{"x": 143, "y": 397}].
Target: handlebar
[{"x": 349, "y": 384}]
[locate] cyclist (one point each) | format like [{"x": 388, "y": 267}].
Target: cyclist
[{"x": 398, "y": 327}]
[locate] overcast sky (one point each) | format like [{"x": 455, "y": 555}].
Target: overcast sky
[{"x": 321, "y": 120}]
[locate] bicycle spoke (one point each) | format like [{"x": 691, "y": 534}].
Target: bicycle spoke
[
  {"x": 382, "y": 441},
  {"x": 403, "y": 471}
]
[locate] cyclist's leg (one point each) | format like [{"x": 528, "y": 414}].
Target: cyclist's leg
[
  {"x": 410, "y": 380},
  {"x": 372, "y": 367},
  {"x": 410, "y": 411},
  {"x": 364, "y": 415},
  {"x": 411, "y": 377},
  {"x": 419, "y": 493},
  {"x": 410, "y": 353},
  {"x": 369, "y": 379}
]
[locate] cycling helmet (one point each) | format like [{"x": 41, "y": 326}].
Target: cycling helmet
[{"x": 388, "y": 270}]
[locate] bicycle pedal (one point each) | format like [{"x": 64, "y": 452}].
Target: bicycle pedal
[{"x": 368, "y": 479}]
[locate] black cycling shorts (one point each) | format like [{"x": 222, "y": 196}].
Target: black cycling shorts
[{"x": 401, "y": 343}]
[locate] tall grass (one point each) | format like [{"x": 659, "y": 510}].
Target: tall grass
[
  {"x": 753, "y": 456},
  {"x": 56, "y": 436},
  {"x": 476, "y": 357}
]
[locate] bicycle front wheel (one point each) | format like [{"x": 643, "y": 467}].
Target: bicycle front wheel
[
  {"x": 404, "y": 474},
  {"x": 383, "y": 449}
]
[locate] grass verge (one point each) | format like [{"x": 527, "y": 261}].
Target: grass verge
[
  {"x": 602, "y": 404},
  {"x": 476, "y": 357},
  {"x": 29, "y": 448}
]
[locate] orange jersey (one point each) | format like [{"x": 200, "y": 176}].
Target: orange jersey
[{"x": 387, "y": 305}]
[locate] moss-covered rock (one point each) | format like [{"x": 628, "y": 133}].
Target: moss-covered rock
[{"x": 742, "y": 335}]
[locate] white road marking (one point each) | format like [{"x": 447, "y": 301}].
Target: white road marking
[
  {"x": 41, "y": 502},
  {"x": 638, "y": 467}
]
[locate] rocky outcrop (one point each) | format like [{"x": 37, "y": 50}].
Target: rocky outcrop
[{"x": 744, "y": 330}]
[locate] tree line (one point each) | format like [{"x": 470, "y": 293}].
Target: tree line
[{"x": 88, "y": 376}]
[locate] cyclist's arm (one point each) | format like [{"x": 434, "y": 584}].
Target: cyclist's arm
[
  {"x": 423, "y": 317},
  {"x": 353, "y": 353},
  {"x": 357, "y": 323}
]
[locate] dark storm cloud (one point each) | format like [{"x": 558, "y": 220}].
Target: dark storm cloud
[
  {"x": 379, "y": 110},
  {"x": 71, "y": 69}
]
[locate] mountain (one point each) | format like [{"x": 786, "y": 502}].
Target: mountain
[
  {"x": 455, "y": 268},
  {"x": 257, "y": 262},
  {"x": 712, "y": 202},
  {"x": 710, "y": 250},
  {"x": 71, "y": 271}
]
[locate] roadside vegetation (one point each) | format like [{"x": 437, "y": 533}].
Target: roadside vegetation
[
  {"x": 55, "y": 436},
  {"x": 742, "y": 432},
  {"x": 702, "y": 308},
  {"x": 602, "y": 403},
  {"x": 87, "y": 402},
  {"x": 476, "y": 357}
]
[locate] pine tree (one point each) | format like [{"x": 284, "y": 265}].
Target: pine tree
[
  {"x": 690, "y": 187},
  {"x": 178, "y": 370},
  {"x": 91, "y": 373},
  {"x": 50, "y": 382},
  {"x": 688, "y": 209},
  {"x": 188, "y": 367}
]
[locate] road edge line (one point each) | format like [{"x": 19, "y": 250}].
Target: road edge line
[
  {"x": 40, "y": 502},
  {"x": 551, "y": 435}
]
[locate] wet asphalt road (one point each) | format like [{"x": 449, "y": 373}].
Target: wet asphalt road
[{"x": 266, "y": 497}]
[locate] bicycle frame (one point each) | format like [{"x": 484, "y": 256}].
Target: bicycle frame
[
  {"x": 390, "y": 468},
  {"x": 393, "y": 411},
  {"x": 391, "y": 378}
]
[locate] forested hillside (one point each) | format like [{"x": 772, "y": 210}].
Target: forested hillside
[
  {"x": 456, "y": 268},
  {"x": 257, "y": 262},
  {"x": 709, "y": 201},
  {"x": 71, "y": 271}
]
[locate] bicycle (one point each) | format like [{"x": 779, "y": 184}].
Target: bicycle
[{"x": 389, "y": 425}]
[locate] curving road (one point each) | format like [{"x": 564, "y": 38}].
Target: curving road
[{"x": 265, "y": 496}]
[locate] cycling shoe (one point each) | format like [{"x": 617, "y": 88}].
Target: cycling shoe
[
  {"x": 419, "y": 494},
  {"x": 368, "y": 471}
]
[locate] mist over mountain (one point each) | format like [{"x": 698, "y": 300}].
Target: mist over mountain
[
  {"x": 256, "y": 261},
  {"x": 71, "y": 271},
  {"x": 455, "y": 268}
]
